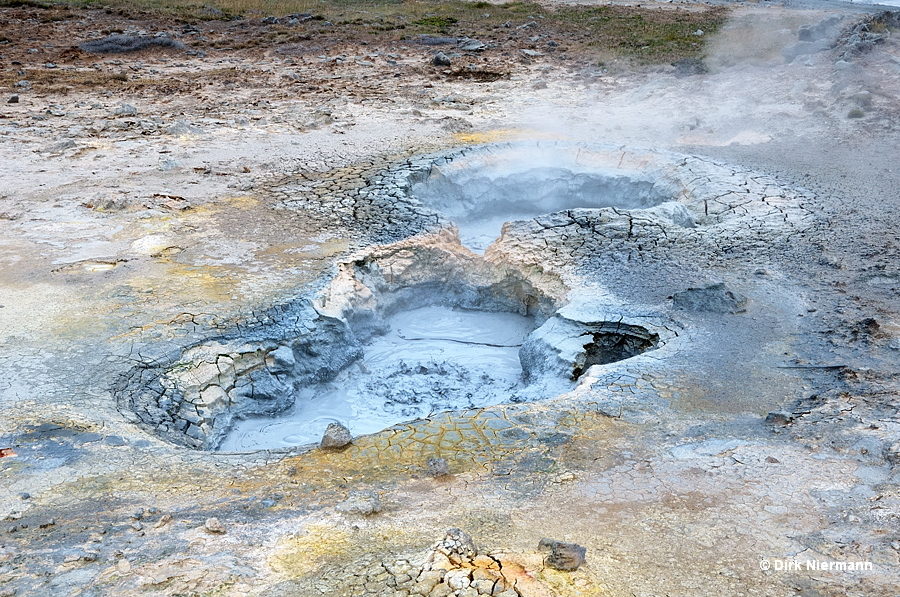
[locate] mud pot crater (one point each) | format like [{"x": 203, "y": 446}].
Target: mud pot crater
[
  {"x": 419, "y": 326},
  {"x": 482, "y": 192},
  {"x": 404, "y": 332}
]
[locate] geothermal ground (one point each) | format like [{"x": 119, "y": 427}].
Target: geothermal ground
[{"x": 624, "y": 276}]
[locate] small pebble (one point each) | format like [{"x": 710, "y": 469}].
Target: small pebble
[
  {"x": 214, "y": 526},
  {"x": 438, "y": 467},
  {"x": 13, "y": 99}
]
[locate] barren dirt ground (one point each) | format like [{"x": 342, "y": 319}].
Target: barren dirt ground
[{"x": 159, "y": 199}]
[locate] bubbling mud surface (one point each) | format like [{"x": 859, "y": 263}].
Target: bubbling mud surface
[{"x": 433, "y": 359}]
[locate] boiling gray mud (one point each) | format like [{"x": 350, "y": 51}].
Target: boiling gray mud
[{"x": 433, "y": 359}]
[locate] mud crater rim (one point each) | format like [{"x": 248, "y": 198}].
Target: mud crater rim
[
  {"x": 196, "y": 398},
  {"x": 216, "y": 387},
  {"x": 483, "y": 191}
]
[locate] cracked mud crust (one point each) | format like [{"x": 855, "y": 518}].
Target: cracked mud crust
[{"x": 174, "y": 224}]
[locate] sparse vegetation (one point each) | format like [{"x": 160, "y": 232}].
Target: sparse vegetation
[
  {"x": 117, "y": 44},
  {"x": 599, "y": 33},
  {"x": 856, "y": 113}
]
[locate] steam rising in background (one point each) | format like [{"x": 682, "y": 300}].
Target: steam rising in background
[{"x": 751, "y": 94}]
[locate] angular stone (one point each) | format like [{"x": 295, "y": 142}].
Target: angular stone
[
  {"x": 214, "y": 526},
  {"x": 336, "y": 436},
  {"x": 440, "y": 59},
  {"x": 438, "y": 467},
  {"x": 562, "y": 556}
]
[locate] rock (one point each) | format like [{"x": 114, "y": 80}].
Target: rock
[
  {"x": 183, "y": 127},
  {"x": 825, "y": 28},
  {"x": 114, "y": 440},
  {"x": 125, "y": 110},
  {"x": 562, "y": 556},
  {"x": 23, "y": 84},
  {"x": 471, "y": 45},
  {"x": 438, "y": 467},
  {"x": 531, "y": 53},
  {"x": 440, "y": 59},
  {"x": 364, "y": 503},
  {"x": 715, "y": 298},
  {"x": 779, "y": 419},
  {"x": 214, "y": 526},
  {"x": 49, "y": 65},
  {"x": 336, "y": 436},
  {"x": 458, "y": 546},
  {"x": 137, "y": 526},
  {"x": 58, "y": 147},
  {"x": 163, "y": 521},
  {"x": 13, "y": 99},
  {"x": 430, "y": 40}
]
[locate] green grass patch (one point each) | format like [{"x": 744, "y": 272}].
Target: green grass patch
[{"x": 436, "y": 24}]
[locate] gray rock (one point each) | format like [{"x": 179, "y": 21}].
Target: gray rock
[
  {"x": 438, "y": 467},
  {"x": 715, "y": 298},
  {"x": 531, "y": 53},
  {"x": 125, "y": 110},
  {"x": 58, "y": 147},
  {"x": 430, "y": 40},
  {"x": 13, "y": 99},
  {"x": 779, "y": 419},
  {"x": 213, "y": 526},
  {"x": 561, "y": 555},
  {"x": 458, "y": 546},
  {"x": 828, "y": 27},
  {"x": 336, "y": 436},
  {"x": 804, "y": 48},
  {"x": 364, "y": 503},
  {"x": 471, "y": 45},
  {"x": 183, "y": 127},
  {"x": 23, "y": 84},
  {"x": 440, "y": 59}
]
